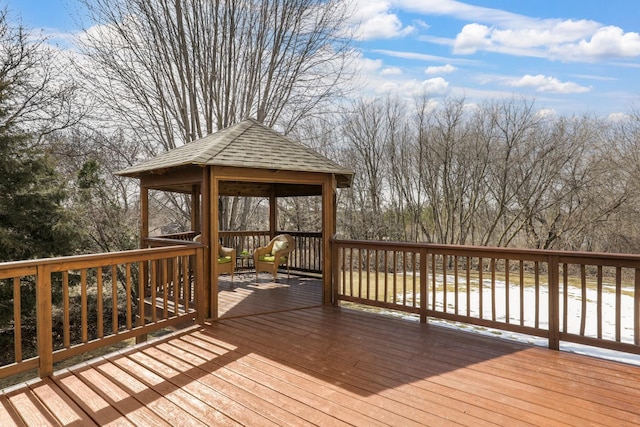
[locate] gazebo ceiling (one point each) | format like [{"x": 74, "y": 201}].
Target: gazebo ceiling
[{"x": 249, "y": 146}]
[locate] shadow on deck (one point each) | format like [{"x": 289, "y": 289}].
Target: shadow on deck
[
  {"x": 328, "y": 366},
  {"x": 245, "y": 296}
]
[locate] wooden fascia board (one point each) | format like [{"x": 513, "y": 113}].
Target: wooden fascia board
[
  {"x": 177, "y": 178},
  {"x": 227, "y": 173}
]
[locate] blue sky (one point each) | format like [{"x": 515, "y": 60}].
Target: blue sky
[{"x": 572, "y": 56}]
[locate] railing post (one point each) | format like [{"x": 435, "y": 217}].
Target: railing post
[
  {"x": 44, "y": 322},
  {"x": 424, "y": 294},
  {"x": 199, "y": 285},
  {"x": 554, "y": 302},
  {"x": 335, "y": 273}
]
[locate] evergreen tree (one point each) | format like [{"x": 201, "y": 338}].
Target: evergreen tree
[{"x": 33, "y": 221}]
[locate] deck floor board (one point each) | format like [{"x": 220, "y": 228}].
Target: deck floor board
[{"x": 277, "y": 358}]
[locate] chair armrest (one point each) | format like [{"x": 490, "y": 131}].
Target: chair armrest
[{"x": 261, "y": 251}]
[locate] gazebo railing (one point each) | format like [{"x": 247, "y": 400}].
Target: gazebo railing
[{"x": 306, "y": 258}]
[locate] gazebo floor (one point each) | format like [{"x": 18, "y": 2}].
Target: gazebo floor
[
  {"x": 245, "y": 296},
  {"x": 331, "y": 366}
]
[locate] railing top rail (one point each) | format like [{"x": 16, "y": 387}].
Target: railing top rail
[
  {"x": 266, "y": 233},
  {"x": 170, "y": 241},
  {"x": 105, "y": 258},
  {"x": 594, "y": 258}
]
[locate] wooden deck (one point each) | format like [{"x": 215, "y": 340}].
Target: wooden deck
[
  {"x": 247, "y": 296},
  {"x": 329, "y": 366}
]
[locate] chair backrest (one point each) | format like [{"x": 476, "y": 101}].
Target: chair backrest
[{"x": 288, "y": 244}]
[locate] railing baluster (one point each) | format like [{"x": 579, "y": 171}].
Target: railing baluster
[
  {"x": 444, "y": 283},
  {"x": 83, "y": 302},
  {"x": 433, "y": 281},
  {"x": 537, "y": 283},
  {"x": 368, "y": 254},
  {"x": 456, "y": 285},
  {"x": 165, "y": 288},
  {"x": 521, "y": 293},
  {"x": 599, "y": 303},
  {"x": 583, "y": 298},
  {"x": 618, "y": 303},
  {"x": 141, "y": 290},
  {"x": 481, "y": 286},
  {"x": 386, "y": 275},
  {"x": 66, "y": 316},
  {"x": 17, "y": 320},
  {"x": 128, "y": 294},
  {"x": 507, "y": 290},
  {"x": 395, "y": 277},
  {"x": 154, "y": 290},
  {"x": 636, "y": 307},
  {"x": 565, "y": 297},
  {"x": 414, "y": 269},
  {"x": 404, "y": 278},
  {"x": 351, "y": 272},
  {"x": 176, "y": 290},
  {"x": 377, "y": 273},
  {"x": 493, "y": 289},
  {"x": 99, "y": 307},
  {"x": 468, "y": 278},
  {"x": 114, "y": 299}
]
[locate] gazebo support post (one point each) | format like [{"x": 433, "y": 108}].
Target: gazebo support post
[
  {"x": 196, "y": 225},
  {"x": 273, "y": 212},
  {"x": 206, "y": 232},
  {"x": 144, "y": 233},
  {"x": 328, "y": 230},
  {"x": 214, "y": 184}
]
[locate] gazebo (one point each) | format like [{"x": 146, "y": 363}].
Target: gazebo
[{"x": 250, "y": 160}]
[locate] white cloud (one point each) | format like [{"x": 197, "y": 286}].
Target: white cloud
[
  {"x": 566, "y": 40},
  {"x": 444, "y": 69},
  {"x": 546, "y": 112},
  {"x": 435, "y": 86},
  {"x": 408, "y": 89},
  {"x": 423, "y": 56},
  {"x": 366, "y": 65},
  {"x": 618, "y": 117},
  {"x": 606, "y": 42},
  {"x": 391, "y": 71},
  {"x": 472, "y": 38},
  {"x": 543, "y": 83},
  {"x": 373, "y": 19}
]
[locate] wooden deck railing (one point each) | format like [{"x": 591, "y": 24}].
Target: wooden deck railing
[
  {"x": 585, "y": 298},
  {"x": 143, "y": 290}
]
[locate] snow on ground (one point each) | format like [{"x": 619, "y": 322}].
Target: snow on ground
[{"x": 574, "y": 308}]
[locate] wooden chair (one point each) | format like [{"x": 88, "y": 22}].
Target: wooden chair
[
  {"x": 226, "y": 258},
  {"x": 276, "y": 253}
]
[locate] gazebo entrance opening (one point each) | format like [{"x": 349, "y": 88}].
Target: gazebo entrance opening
[{"x": 245, "y": 292}]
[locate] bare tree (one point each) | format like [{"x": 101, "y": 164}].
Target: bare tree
[
  {"x": 174, "y": 71},
  {"x": 182, "y": 69},
  {"x": 368, "y": 131},
  {"x": 43, "y": 95},
  {"x": 454, "y": 159}
]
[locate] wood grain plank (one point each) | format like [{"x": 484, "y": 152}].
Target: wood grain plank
[
  {"x": 30, "y": 409},
  {"x": 63, "y": 408},
  {"x": 92, "y": 403},
  {"x": 8, "y": 414}
]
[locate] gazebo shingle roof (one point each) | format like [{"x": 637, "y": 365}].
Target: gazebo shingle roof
[{"x": 248, "y": 144}]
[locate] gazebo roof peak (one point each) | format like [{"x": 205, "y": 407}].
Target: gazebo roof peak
[{"x": 248, "y": 144}]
